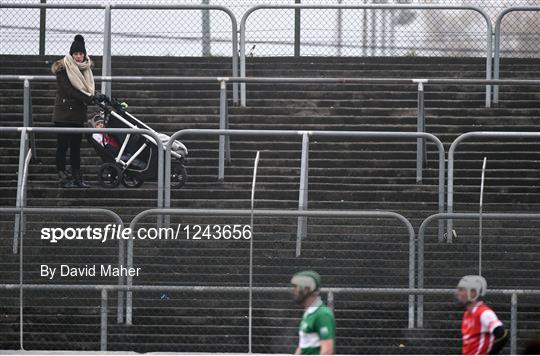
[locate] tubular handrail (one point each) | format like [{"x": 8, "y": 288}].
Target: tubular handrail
[
  {"x": 465, "y": 216},
  {"x": 73, "y": 211},
  {"x": 451, "y": 154},
  {"x": 420, "y": 292},
  {"x": 147, "y": 133},
  {"x": 177, "y": 288},
  {"x": 51, "y": 6},
  {"x": 293, "y": 213},
  {"x": 294, "y": 133},
  {"x": 21, "y": 201},
  {"x": 365, "y": 7},
  {"x": 330, "y": 80},
  {"x": 36, "y": 210},
  {"x": 497, "y": 42},
  {"x": 151, "y": 134},
  {"x": 224, "y": 146}
]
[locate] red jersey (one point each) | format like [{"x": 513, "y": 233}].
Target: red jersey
[{"x": 477, "y": 329}]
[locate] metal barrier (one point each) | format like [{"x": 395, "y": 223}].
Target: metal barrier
[
  {"x": 151, "y": 134},
  {"x": 304, "y": 213},
  {"x": 302, "y": 200},
  {"x": 21, "y": 200},
  {"x": 104, "y": 289},
  {"x": 451, "y": 154},
  {"x": 497, "y": 43},
  {"x": 73, "y": 211},
  {"x": 106, "y": 65},
  {"x": 21, "y": 189},
  {"x": 365, "y": 7},
  {"x": 466, "y": 216},
  {"x": 27, "y": 142},
  {"x": 224, "y": 144},
  {"x": 223, "y": 111}
]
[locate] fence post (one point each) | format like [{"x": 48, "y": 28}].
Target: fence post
[
  {"x": 205, "y": 36},
  {"x": 373, "y": 33},
  {"x": 496, "y": 56},
  {"x": 297, "y": 24},
  {"x": 120, "y": 301},
  {"x": 42, "y": 23},
  {"x": 252, "y": 223},
  {"x": 23, "y": 147},
  {"x": 303, "y": 193},
  {"x": 421, "y": 127},
  {"x": 106, "y": 60},
  {"x": 364, "y": 31},
  {"x": 330, "y": 301},
  {"x": 489, "y": 57},
  {"x": 224, "y": 145},
  {"x": 22, "y": 226},
  {"x": 27, "y": 113},
  {"x": 30, "y": 121},
  {"x": 339, "y": 29},
  {"x": 513, "y": 325},
  {"x": 103, "y": 339}
]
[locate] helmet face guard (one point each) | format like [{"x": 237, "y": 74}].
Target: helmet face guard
[{"x": 476, "y": 283}]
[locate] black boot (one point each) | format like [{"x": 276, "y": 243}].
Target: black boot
[
  {"x": 79, "y": 181},
  {"x": 65, "y": 180}
]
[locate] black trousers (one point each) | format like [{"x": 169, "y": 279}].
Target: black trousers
[{"x": 71, "y": 141}]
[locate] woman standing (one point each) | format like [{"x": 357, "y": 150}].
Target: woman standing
[{"x": 76, "y": 90}]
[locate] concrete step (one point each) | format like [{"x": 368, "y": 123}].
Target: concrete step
[{"x": 344, "y": 174}]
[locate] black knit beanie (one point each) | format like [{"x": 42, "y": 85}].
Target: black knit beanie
[{"x": 78, "y": 45}]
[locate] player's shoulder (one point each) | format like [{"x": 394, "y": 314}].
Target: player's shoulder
[
  {"x": 324, "y": 310},
  {"x": 480, "y": 309},
  {"x": 485, "y": 312}
]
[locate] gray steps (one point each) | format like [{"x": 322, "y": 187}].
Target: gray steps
[{"x": 349, "y": 174}]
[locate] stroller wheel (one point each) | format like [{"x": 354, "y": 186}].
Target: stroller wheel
[
  {"x": 109, "y": 175},
  {"x": 131, "y": 179},
  {"x": 178, "y": 175}
]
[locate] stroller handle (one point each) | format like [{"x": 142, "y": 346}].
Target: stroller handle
[{"x": 107, "y": 103}]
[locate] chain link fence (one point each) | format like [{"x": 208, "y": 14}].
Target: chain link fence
[
  {"x": 134, "y": 32},
  {"x": 370, "y": 32},
  {"x": 520, "y": 34},
  {"x": 336, "y": 32}
]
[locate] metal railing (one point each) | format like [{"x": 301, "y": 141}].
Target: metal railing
[
  {"x": 224, "y": 152},
  {"x": 106, "y": 64},
  {"x": 302, "y": 200},
  {"x": 293, "y": 213},
  {"x": 105, "y": 289},
  {"x": 364, "y": 7},
  {"x": 20, "y": 222},
  {"x": 451, "y": 156},
  {"x": 239, "y": 60},
  {"x": 21, "y": 199},
  {"x": 224, "y": 144},
  {"x": 153, "y": 134},
  {"x": 497, "y": 43},
  {"x": 71, "y": 211},
  {"x": 26, "y": 144},
  {"x": 468, "y": 216}
]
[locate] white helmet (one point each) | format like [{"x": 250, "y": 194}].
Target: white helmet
[{"x": 477, "y": 283}]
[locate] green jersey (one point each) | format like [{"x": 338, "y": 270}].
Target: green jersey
[{"x": 317, "y": 324}]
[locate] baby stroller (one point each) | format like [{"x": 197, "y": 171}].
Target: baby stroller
[{"x": 131, "y": 159}]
